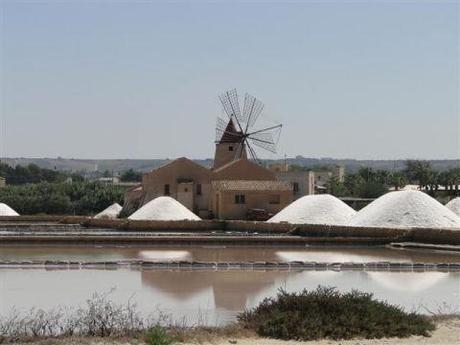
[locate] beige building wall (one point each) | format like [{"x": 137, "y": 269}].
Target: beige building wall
[
  {"x": 303, "y": 182},
  {"x": 2, "y": 182},
  {"x": 243, "y": 169},
  {"x": 228, "y": 152},
  {"x": 183, "y": 180},
  {"x": 272, "y": 201}
]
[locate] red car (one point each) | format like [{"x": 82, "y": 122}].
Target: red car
[{"x": 258, "y": 214}]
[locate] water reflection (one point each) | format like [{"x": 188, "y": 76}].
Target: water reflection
[
  {"x": 219, "y": 295},
  {"x": 225, "y": 254},
  {"x": 165, "y": 255},
  {"x": 407, "y": 281},
  {"x": 231, "y": 289}
]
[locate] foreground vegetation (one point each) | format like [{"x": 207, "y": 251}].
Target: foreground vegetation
[
  {"x": 318, "y": 314},
  {"x": 327, "y": 313}
]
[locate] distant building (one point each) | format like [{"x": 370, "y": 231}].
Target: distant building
[
  {"x": 109, "y": 180},
  {"x": 228, "y": 190},
  {"x": 2, "y": 182},
  {"x": 308, "y": 182}
]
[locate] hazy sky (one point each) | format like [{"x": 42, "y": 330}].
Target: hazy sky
[{"x": 116, "y": 79}]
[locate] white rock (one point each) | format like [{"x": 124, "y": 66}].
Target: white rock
[
  {"x": 5, "y": 210},
  {"x": 315, "y": 209},
  {"x": 454, "y": 205},
  {"x": 164, "y": 208},
  {"x": 111, "y": 212},
  {"x": 406, "y": 209}
]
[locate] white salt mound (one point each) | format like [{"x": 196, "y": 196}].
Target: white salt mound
[
  {"x": 164, "y": 208},
  {"x": 5, "y": 210},
  {"x": 406, "y": 209},
  {"x": 454, "y": 205},
  {"x": 111, "y": 212},
  {"x": 315, "y": 209}
]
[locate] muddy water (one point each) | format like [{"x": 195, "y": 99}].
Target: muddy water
[
  {"x": 225, "y": 254},
  {"x": 215, "y": 297}
]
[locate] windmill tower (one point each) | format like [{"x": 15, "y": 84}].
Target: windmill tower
[{"x": 239, "y": 133}]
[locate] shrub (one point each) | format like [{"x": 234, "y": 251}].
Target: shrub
[
  {"x": 327, "y": 313},
  {"x": 158, "y": 336}
]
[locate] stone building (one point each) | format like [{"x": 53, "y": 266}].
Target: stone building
[
  {"x": 308, "y": 182},
  {"x": 2, "y": 182},
  {"x": 228, "y": 190}
]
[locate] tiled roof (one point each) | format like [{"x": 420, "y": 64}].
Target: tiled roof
[{"x": 243, "y": 185}]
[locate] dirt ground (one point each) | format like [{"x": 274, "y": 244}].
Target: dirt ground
[{"x": 447, "y": 333}]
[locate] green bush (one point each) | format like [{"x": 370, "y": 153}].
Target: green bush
[
  {"x": 327, "y": 313},
  {"x": 158, "y": 336},
  {"x": 82, "y": 198}
]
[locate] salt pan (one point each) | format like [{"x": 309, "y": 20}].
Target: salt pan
[
  {"x": 164, "y": 208},
  {"x": 454, "y": 205},
  {"x": 406, "y": 209},
  {"x": 111, "y": 212},
  {"x": 315, "y": 209},
  {"x": 5, "y": 210}
]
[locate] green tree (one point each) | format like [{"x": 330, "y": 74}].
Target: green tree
[{"x": 131, "y": 176}]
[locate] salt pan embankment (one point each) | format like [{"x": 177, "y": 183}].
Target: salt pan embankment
[
  {"x": 111, "y": 212},
  {"x": 315, "y": 209},
  {"x": 164, "y": 208},
  {"x": 406, "y": 209},
  {"x": 5, "y": 210}
]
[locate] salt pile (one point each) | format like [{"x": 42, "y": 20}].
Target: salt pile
[
  {"x": 315, "y": 209},
  {"x": 454, "y": 205},
  {"x": 163, "y": 208},
  {"x": 111, "y": 212},
  {"x": 5, "y": 210},
  {"x": 406, "y": 209}
]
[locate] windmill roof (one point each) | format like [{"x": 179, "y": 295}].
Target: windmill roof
[{"x": 231, "y": 135}]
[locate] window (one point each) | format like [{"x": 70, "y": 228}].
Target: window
[
  {"x": 185, "y": 190},
  {"x": 240, "y": 199},
  {"x": 295, "y": 186},
  {"x": 230, "y": 148},
  {"x": 274, "y": 199},
  {"x": 198, "y": 189},
  {"x": 166, "y": 189}
]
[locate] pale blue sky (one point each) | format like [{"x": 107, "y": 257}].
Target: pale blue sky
[{"x": 106, "y": 79}]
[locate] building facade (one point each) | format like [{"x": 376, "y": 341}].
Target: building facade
[{"x": 228, "y": 190}]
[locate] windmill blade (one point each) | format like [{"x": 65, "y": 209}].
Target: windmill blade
[
  {"x": 251, "y": 110},
  {"x": 230, "y": 103},
  {"x": 264, "y": 140},
  {"x": 252, "y": 152}
]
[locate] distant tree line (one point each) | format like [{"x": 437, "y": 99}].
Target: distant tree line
[
  {"x": 370, "y": 183},
  {"x": 77, "y": 197}
]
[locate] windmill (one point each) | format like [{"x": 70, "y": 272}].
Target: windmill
[{"x": 243, "y": 127}]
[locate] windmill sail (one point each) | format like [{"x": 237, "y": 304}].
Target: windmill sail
[{"x": 239, "y": 128}]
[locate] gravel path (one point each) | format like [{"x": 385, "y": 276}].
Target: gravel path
[{"x": 447, "y": 333}]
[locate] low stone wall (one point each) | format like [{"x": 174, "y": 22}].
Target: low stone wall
[
  {"x": 194, "y": 265},
  {"x": 41, "y": 218},
  {"x": 381, "y": 235}
]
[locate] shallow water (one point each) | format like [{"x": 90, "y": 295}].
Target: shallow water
[
  {"x": 215, "y": 297},
  {"x": 224, "y": 254}
]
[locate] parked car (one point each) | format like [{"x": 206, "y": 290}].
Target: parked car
[{"x": 259, "y": 214}]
